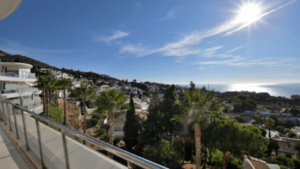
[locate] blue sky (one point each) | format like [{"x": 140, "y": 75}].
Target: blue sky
[{"x": 170, "y": 41}]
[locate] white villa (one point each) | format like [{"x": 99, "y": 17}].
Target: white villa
[{"x": 17, "y": 85}]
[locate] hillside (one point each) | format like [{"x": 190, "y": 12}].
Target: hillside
[{"x": 5, "y": 57}]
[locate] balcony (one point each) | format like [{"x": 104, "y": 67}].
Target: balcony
[
  {"x": 58, "y": 149},
  {"x": 21, "y": 75}
]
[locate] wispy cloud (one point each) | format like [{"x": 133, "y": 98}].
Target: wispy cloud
[
  {"x": 186, "y": 45},
  {"x": 135, "y": 49},
  {"x": 241, "y": 61},
  {"x": 116, "y": 35},
  {"x": 214, "y": 48},
  {"x": 210, "y": 51},
  {"x": 171, "y": 14},
  {"x": 13, "y": 47},
  {"x": 235, "y": 49}
]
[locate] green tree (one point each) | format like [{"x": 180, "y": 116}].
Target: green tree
[
  {"x": 273, "y": 145},
  {"x": 198, "y": 108},
  {"x": 240, "y": 119},
  {"x": 229, "y": 136},
  {"x": 297, "y": 148},
  {"x": 45, "y": 83},
  {"x": 65, "y": 83},
  {"x": 163, "y": 154},
  {"x": 263, "y": 131},
  {"x": 152, "y": 128},
  {"x": 269, "y": 124},
  {"x": 85, "y": 91},
  {"x": 295, "y": 112},
  {"x": 111, "y": 100},
  {"x": 280, "y": 129},
  {"x": 131, "y": 127}
]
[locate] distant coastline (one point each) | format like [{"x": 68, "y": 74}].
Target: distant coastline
[{"x": 285, "y": 90}]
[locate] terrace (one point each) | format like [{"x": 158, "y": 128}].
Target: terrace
[{"x": 49, "y": 148}]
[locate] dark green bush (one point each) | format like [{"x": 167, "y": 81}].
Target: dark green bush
[
  {"x": 106, "y": 137},
  {"x": 103, "y": 116},
  {"x": 291, "y": 134},
  {"x": 283, "y": 167},
  {"x": 95, "y": 121},
  {"x": 281, "y": 160},
  {"x": 296, "y": 162},
  {"x": 234, "y": 163},
  {"x": 101, "y": 131},
  {"x": 117, "y": 140},
  {"x": 96, "y": 115},
  {"x": 193, "y": 160}
]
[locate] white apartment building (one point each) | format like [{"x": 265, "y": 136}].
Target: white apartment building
[{"x": 17, "y": 85}]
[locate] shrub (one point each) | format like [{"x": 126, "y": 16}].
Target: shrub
[
  {"x": 281, "y": 160},
  {"x": 296, "y": 162},
  {"x": 193, "y": 160},
  {"x": 103, "y": 116},
  {"x": 106, "y": 137},
  {"x": 280, "y": 129},
  {"x": 95, "y": 121},
  {"x": 283, "y": 167},
  {"x": 163, "y": 154},
  {"x": 234, "y": 163},
  {"x": 117, "y": 140},
  {"x": 96, "y": 116},
  {"x": 100, "y": 122},
  {"x": 240, "y": 119},
  {"x": 101, "y": 131},
  {"x": 291, "y": 134}
]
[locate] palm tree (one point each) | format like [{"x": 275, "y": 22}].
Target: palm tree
[
  {"x": 65, "y": 83},
  {"x": 110, "y": 100},
  {"x": 46, "y": 82},
  {"x": 199, "y": 108},
  {"x": 85, "y": 91},
  {"x": 54, "y": 86}
]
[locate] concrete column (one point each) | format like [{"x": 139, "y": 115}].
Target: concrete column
[{"x": 21, "y": 100}]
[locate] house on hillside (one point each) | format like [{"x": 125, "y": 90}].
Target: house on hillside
[
  {"x": 60, "y": 93},
  {"x": 296, "y": 130},
  {"x": 254, "y": 163},
  {"x": 76, "y": 84},
  {"x": 287, "y": 146},
  {"x": 294, "y": 97}
]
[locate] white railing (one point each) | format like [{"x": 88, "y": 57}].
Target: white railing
[{"x": 56, "y": 150}]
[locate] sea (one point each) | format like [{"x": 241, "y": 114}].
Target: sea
[{"x": 283, "y": 90}]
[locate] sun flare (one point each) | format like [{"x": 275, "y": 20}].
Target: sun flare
[{"x": 249, "y": 13}]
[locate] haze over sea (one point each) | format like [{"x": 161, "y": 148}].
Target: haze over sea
[{"x": 285, "y": 90}]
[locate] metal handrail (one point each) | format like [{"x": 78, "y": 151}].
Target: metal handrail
[{"x": 131, "y": 158}]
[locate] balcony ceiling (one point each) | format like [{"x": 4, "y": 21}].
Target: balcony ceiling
[
  {"x": 16, "y": 65},
  {"x": 7, "y": 7}
]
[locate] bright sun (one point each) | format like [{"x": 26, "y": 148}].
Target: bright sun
[{"x": 249, "y": 13}]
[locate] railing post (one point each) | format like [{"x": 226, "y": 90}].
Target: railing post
[
  {"x": 25, "y": 130},
  {"x": 65, "y": 149},
  {"x": 40, "y": 142},
  {"x": 3, "y": 113},
  {"x": 8, "y": 116},
  {"x": 16, "y": 124},
  {"x": 129, "y": 165}
]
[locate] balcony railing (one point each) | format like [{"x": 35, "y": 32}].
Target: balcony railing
[
  {"x": 28, "y": 76},
  {"x": 65, "y": 151}
]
